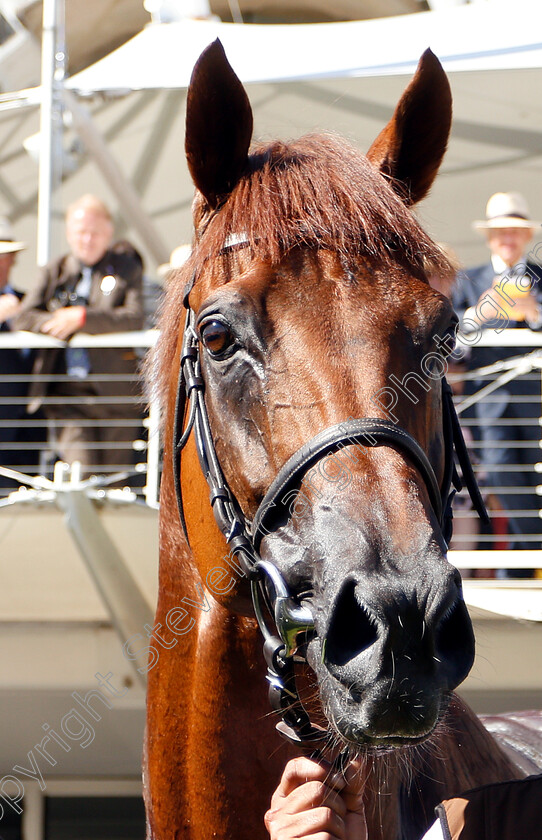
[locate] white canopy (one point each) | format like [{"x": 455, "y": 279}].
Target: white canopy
[
  {"x": 347, "y": 77},
  {"x": 479, "y": 36},
  {"x": 343, "y": 77}
]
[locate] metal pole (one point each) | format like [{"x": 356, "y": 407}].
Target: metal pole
[
  {"x": 52, "y": 75},
  {"x": 33, "y": 819},
  {"x": 128, "y": 608},
  {"x": 127, "y": 197},
  {"x": 153, "y": 454}
]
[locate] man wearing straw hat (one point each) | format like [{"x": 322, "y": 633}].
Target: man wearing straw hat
[
  {"x": 507, "y": 292},
  {"x": 14, "y": 363}
]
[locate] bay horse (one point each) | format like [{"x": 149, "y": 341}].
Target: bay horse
[{"x": 300, "y": 368}]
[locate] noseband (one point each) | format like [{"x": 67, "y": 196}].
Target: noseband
[{"x": 270, "y": 593}]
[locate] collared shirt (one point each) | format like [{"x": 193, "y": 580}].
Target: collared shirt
[{"x": 500, "y": 266}]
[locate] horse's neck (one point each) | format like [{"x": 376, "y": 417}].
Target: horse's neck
[{"x": 213, "y": 757}]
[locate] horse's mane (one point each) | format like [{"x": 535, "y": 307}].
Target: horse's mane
[{"x": 316, "y": 192}]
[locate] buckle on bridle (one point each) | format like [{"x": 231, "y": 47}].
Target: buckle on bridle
[{"x": 291, "y": 619}]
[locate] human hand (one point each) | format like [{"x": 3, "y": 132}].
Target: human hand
[
  {"x": 64, "y": 322},
  {"x": 512, "y": 302},
  {"x": 9, "y": 306},
  {"x": 524, "y": 309},
  {"x": 494, "y": 310},
  {"x": 315, "y": 803}
]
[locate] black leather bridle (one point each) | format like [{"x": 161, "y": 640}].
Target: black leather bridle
[{"x": 270, "y": 592}]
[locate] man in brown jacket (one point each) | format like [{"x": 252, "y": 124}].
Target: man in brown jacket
[{"x": 96, "y": 288}]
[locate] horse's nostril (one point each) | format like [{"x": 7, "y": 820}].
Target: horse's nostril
[
  {"x": 452, "y": 630},
  {"x": 351, "y": 630},
  {"x": 454, "y": 642}
]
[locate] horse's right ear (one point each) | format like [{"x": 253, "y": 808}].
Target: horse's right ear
[
  {"x": 218, "y": 125},
  {"x": 409, "y": 150}
]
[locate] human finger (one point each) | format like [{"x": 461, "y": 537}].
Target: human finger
[
  {"x": 54, "y": 329},
  {"x": 301, "y": 770},
  {"x": 355, "y": 778},
  {"x": 322, "y": 822},
  {"x": 312, "y": 795},
  {"x": 51, "y": 328}
]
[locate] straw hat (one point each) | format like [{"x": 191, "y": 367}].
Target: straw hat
[
  {"x": 177, "y": 258},
  {"x": 8, "y": 245},
  {"x": 506, "y": 210}
]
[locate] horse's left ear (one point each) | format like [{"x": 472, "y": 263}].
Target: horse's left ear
[
  {"x": 218, "y": 125},
  {"x": 409, "y": 150}
]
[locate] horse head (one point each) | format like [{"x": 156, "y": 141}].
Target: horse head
[{"x": 322, "y": 350}]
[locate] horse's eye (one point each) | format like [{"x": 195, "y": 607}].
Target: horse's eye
[{"x": 216, "y": 337}]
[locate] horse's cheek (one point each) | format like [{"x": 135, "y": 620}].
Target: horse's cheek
[{"x": 220, "y": 572}]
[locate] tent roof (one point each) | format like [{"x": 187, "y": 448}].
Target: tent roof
[
  {"x": 479, "y": 36},
  {"x": 496, "y": 141},
  {"x": 347, "y": 77}
]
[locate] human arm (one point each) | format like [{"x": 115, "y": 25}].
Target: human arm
[
  {"x": 496, "y": 301},
  {"x": 64, "y": 322},
  {"x": 534, "y": 320},
  {"x": 493, "y": 311},
  {"x": 9, "y": 306},
  {"x": 34, "y": 312},
  {"x": 315, "y": 803},
  {"x": 120, "y": 310},
  {"x": 38, "y": 312},
  {"x": 123, "y": 315},
  {"x": 528, "y": 309}
]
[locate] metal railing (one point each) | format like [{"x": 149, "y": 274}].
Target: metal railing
[
  {"x": 499, "y": 404},
  {"x": 122, "y": 430},
  {"x": 473, "y": 547}
]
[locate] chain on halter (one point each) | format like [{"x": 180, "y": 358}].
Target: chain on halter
[{"x": 268, "y": 588}]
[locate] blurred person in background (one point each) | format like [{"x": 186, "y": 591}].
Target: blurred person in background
[
  {"x": 154, "y": 288},
  {"x": 95, "y": 288},
  {"x": 15, "y": 363},
  {"x": 506, "y": 292}
]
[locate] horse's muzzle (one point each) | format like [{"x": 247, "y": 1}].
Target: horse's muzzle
[{"x": 389, "y": 659}]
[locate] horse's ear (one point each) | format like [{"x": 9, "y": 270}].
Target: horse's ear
[
  {"x": 409, "y": 150},
  {"x": 218, "y": 125}
]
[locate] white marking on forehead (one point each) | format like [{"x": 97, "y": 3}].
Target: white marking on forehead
[{"x": 235, "y": 239}]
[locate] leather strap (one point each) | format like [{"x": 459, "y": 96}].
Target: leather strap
[{"x": 367, "y": 432}]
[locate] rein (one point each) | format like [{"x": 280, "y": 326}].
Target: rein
[{"x": 268, "y": 588}]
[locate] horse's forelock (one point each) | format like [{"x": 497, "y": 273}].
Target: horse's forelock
[{"x": 319, "y": 192}]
